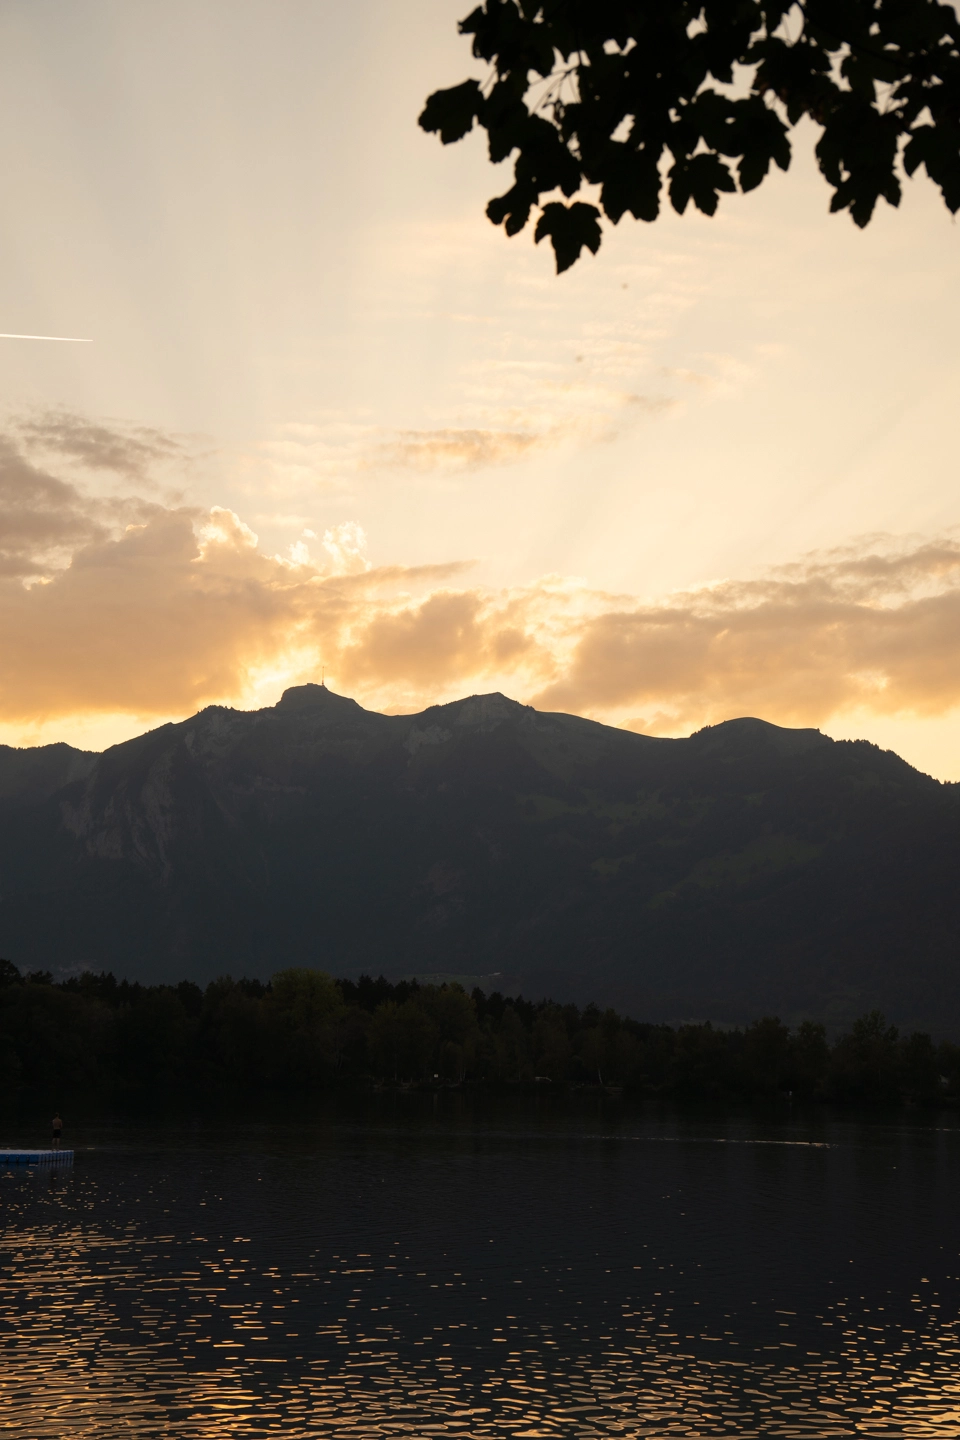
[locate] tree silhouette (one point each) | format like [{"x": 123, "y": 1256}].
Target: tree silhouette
[{"x": 627, "y": 95}]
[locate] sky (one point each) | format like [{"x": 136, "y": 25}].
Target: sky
[{"x": 332, "y": 422}]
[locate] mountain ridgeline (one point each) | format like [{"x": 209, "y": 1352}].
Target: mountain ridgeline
[{"x": 746, "y": 870}]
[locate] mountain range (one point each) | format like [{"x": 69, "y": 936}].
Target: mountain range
[{"x": 746, "y": 870}]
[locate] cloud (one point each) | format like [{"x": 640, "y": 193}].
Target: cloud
[
  {"x": 125, "y": 605},
  {"x": 514, "y": 412},
  {"x": 469, "y": 449},
  {"x": 153, "y": 611},
  {"x": 127, "y": 451},
  {"x": 466, "y": 449},
  {"x": 424, "y": 646},
  {"x": 42, "y": 518},
  {"x": 875, "y": 627},
  {"x": 346, "y": 546},
  {"x": 329, "y": 455},
  {"x": 115, "y": 606}
]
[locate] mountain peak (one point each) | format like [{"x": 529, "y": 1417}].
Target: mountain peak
[
  {"x": 311, "y": 697},
  {"x": 749, "y": 733},
  {"x": 486, "y": 712}
]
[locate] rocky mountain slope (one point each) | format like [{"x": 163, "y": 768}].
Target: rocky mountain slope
[{"x": 746, "y": 870}]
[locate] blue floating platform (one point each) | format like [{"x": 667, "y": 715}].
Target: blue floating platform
[{"x": 36, "y": 1157}]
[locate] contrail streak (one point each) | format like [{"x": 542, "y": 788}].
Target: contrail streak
[{"x": 68, "y": 339}]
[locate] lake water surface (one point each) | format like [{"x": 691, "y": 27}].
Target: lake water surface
[{"x": 420, "y": 1267}]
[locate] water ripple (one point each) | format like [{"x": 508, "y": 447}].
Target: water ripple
[{"x": 200, "y": 1292}]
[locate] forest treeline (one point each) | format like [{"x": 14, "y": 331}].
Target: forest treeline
[{"x": 304, "y": 1032}]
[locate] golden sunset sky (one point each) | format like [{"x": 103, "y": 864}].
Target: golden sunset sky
[{"x": 331, "y": 416}]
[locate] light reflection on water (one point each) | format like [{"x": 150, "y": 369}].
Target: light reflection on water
[{"x": 441, "y": 1276}]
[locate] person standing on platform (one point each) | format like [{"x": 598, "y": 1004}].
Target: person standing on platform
[{"x": 57, "y": 1131}]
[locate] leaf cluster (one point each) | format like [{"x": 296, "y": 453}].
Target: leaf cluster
[{"x": 633, "y": 95}]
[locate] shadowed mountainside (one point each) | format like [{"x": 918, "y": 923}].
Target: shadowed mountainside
[{"x": 747, "y": 869}]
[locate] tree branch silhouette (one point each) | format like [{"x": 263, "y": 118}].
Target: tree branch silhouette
[{"x": 667, "y": 92}]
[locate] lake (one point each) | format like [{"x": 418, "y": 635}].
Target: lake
[{"x": 434, "y": 1265}]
